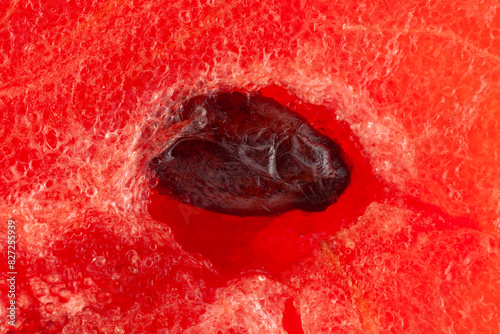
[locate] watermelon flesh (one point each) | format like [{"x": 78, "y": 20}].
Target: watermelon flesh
[{"x": 408, "y": 90}]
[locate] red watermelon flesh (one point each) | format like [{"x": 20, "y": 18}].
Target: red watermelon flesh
[{"x": 408, "y": 89}]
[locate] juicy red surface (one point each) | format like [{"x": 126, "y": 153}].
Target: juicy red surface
[{"x": 408, "y": 89}]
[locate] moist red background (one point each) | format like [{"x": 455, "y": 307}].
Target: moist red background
[{"x": 409, "y": 89}]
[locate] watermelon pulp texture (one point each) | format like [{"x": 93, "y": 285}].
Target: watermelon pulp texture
[{"x": 408, "y": 89}]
